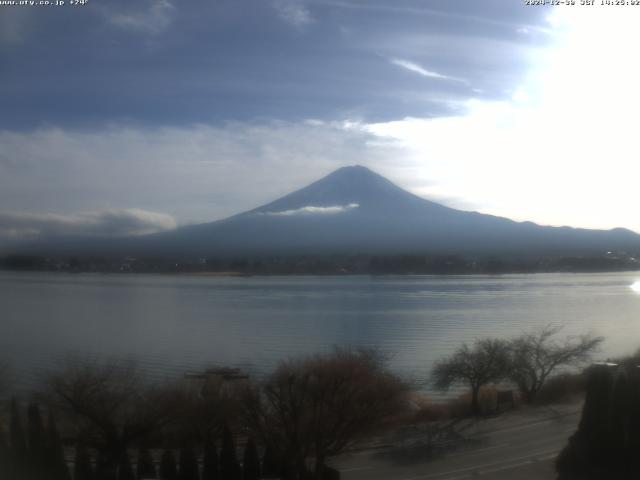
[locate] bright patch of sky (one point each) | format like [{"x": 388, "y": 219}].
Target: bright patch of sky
[{"x": 562, "y": 150}]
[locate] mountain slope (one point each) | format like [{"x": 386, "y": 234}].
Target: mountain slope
[{"x": 354, "y": 210}]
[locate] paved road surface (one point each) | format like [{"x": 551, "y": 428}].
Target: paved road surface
[{"x": 518, "y": 447}]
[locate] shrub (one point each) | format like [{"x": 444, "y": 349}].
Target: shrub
[{"x": 561, "y": 388}]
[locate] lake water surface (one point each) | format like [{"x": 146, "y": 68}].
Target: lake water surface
[{"x": 170, "y": 324}]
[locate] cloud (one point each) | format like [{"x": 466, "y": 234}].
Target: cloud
[
  {"x": 294, "y": 12},
  {"x": 167, "y": 63},
  {"x": 414, "y": 67},
  {"x": 196, "y": 174},
  {"x": 152, "y": 20},
  {"x": 113, "y": 223},
  {"x": 311, "y": 210}
]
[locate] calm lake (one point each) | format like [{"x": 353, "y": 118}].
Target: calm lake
[{"x": 171, "y": 324}]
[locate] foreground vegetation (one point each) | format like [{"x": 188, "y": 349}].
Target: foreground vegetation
[
  {"x": 308, "y": 410},
  {"x": 606, "y": 443},
  {"x": 108, "y": 422},
  {"x": 526, "y": 361}
]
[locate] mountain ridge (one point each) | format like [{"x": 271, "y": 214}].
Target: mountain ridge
[{"x": 355, "y": 210}]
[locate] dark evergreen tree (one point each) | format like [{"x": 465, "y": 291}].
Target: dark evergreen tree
[
  {"x": 125, "y": 470},
  {"x": 605, "y": 445},
  {"x": 168, "y": 469},
  {"x": 17, "y": 436},
  {"x": 83, "y": 468},
  {"x": 210, "y": 466},
  {"x": 19, "y": 453},
  {"x": 251, "y": 461},
  {"x": 54, "y": 452},
  {"x": 271, "y": 467},
  {"x": 105, "y": 469},
  {"x": 329, "y": 473},
  {"x": 229, "y": 468},
  {"x": 5, "y": 456},
  {"x": 634, "y": 420},
  {"x": 35, "y": 438},
  {"x": 146, "y": 467},
  {"x": 188, "y": 461},
  {"x": 617, "y": 456},
  {"x": 584, "y": 453},
  {"x": 594, "y": 420}
]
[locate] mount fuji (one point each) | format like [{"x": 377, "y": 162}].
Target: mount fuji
[{"x": 355, "y": 210}]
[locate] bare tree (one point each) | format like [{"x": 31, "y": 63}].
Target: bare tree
[
  {"x": 111, "y": 406},
  {"x": 534, "y": 356},
  {"x": 316, "y": 407},
  {"x": 203, "y": 416},
  {"x": 476, "y": 366}
]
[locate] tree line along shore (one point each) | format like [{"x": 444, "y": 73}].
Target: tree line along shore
[{"x": 339, "y": 264}]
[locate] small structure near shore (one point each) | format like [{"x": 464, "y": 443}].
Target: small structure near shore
[{"x": 505, "y": 398}]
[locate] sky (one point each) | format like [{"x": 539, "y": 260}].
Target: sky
[{"x": 120, "y": 117}]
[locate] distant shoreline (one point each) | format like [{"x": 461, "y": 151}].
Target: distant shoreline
[
  {"x": 335, "y": 265},
  {"x": 318, "y": 275}
]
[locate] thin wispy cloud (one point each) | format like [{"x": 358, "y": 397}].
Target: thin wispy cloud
[
  {"x": 110, "y": 222},
  {"x": 294, "y": 12},
  {"x": 420, "y": 70},
  {"x": 313, "y": 210},
  {"x": 152, "y": 20}
]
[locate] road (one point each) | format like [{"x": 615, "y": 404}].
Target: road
[{"x": 517, "y": 447}]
